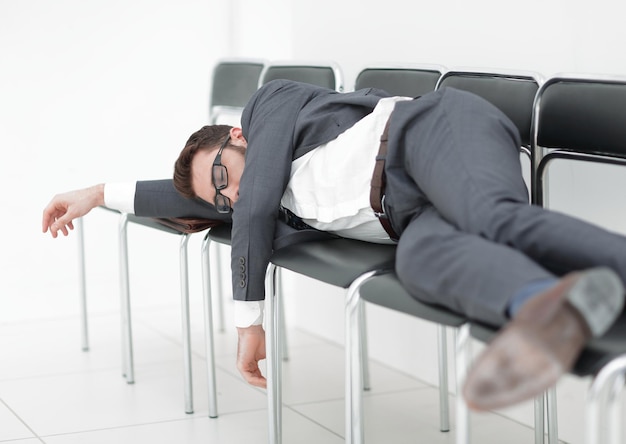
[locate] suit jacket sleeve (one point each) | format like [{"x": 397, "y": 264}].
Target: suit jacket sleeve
[
  {"x": 268, "y": 124},
  {"x": 159, "y": 198},
  {"x": 283, "y": 119}
]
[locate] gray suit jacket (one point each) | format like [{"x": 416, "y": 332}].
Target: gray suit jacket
[{"x": 282, "y": 121}]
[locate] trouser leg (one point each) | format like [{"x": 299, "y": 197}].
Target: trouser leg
[
  {"x": 439, "y": 264},
  {"x": 458, "y": 153}
]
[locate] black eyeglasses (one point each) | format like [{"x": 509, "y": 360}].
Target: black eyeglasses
[{"x": 219, "y": 177}]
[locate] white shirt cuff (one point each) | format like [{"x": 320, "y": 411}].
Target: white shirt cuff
[
  {"x": 120, "y": 196},
  {"x": 248, "y": 313}
]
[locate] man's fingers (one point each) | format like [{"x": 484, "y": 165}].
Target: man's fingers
[
  {"x": 255, "y": 378},
  {"x": 252, "y": 374},
  {"x": 63, "y": 224},
  {"x": 49, "y": 216},
  {"x": 63, "y": 229}
]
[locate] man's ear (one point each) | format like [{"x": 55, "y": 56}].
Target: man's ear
[{"x": 236, "y": 137}]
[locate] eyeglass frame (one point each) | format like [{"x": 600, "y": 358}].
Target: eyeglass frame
[{"x": 223, "y": 207}]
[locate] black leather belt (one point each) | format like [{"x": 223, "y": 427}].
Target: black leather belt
[
  {"x": 377, "y": 190},
  {"x": 292, "y": 220}
]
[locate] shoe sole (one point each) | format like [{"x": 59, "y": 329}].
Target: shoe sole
[{"x": 599, "y": 298}]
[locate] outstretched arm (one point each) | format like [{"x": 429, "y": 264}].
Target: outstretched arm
[{"x": 64, "y": 208}]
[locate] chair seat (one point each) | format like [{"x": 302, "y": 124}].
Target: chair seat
[
  {"x": 335, "y": 261},
  {"x": 602, "y": 350},
  {"x": 152, "y": 223},
  {"x": 385, "y": 290},
  {"x": 220, "y": 234}
]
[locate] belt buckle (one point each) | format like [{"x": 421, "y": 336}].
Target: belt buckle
[{"x": 381, "y": 214}]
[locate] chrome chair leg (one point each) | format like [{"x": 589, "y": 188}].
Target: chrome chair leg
[
  {"x": 539, "y": 409},
  {"x": 553, "y": 421},
  {"x": 82, "y": 285},
  {"x": 281, "y": 314},
  {"x": 444, "y": 405},
  {"x": 614, "y": 411},
  {"x": 208, "y": 327},
  {"x": 354, "y": 427},
  {"x": 365, "y": 361},
  {"x": 463, "y": 357},
  {"x": 128, "y": 366},
  {"x": 605, "y": 378},
  {"x": 184, "y": 293},
  {"x": 274, "y": 394},
  {"x": 221, "y": 324}
]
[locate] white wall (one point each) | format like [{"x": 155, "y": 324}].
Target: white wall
[
  {"x": 91, "y": 91},
  {"x": 110, "y": 90}
]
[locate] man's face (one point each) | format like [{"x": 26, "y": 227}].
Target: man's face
[{"x": 232, "y": 158}]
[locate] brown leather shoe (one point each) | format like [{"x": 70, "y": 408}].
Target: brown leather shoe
[{"x": 544, "y": 339}]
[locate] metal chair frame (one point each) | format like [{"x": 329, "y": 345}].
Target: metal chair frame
[
  {"x": 297, "y": 71},
  {"x": 608, "y": 379},
  {"x": 354, "y": 429}
]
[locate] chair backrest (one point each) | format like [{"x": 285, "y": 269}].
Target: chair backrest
[
  {"x": 579, "y": 118},
  {"x": 512, "y": 92},
  {"x": 234, "y": 82},
  {"x": 325, "y": 74},
  {"x": 409, "y": 81}
]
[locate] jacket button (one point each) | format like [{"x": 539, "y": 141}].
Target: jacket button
[
  {"x": 242, "y": 283},
  {"x": 242, "y": 260},
  {"x": 242, "y": 268},
  {"x": 242, "y": 276}
]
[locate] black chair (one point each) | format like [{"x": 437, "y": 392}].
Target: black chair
[
  {"x": 514, "y": 94},
  {"x": 408, "y": 80},
  {"x": 326, "y": 74},
  {"x": 233, "y": 82},
  {"x": 384, "y": 289},
  {"x": 583, "y": 119},
  {"x": 340, "y": 262}
]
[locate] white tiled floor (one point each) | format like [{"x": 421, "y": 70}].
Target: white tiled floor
[{"x": 52, "y": 392}]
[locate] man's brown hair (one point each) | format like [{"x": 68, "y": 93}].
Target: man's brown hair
[{"x": 207, "y": 138}]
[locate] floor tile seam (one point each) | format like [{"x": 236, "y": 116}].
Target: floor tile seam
[
  {"x": 77, "y": 317},
  {"x": 89, "y": 371},
  {"x": 316, "y": 423},
  {"x": 367, "y": 394},
  {"x": 190, "y": 417},
  {"x": 24, "y": 423},
  {"x": 513, "y": 420}
]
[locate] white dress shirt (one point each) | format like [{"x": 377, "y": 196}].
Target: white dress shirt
[{"x": 319, "y": 190}]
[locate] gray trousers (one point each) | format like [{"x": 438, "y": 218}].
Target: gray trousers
[{"x": 469, "y": 240}]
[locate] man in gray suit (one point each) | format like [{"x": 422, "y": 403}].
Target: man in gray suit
[{"x": 451, "y": 195}]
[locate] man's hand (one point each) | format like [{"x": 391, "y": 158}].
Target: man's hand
[
  {"x": 64, "y": 208},
  {"x": 250, "y": 351}
]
